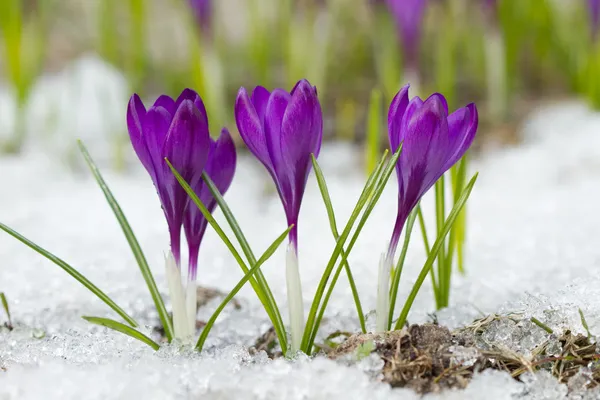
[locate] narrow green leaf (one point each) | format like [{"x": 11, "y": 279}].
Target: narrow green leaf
[
  {"x": 364, "y": 196},
  {"x": 583, "y": 322},
  {"x": 119, "y": 327},
  {"x": 397, "y": 273},
  {"x": 133, "y": 244},
  {"x": 329, "y": 207},
  {"x": 237, "y": 231},
  {"x": 7, "y": 310},
  {"x": 370, "y": 201},
  {"x": 373, "y": 130},
  {"x": 211, "y": 220},
  {"x": 434, "y": 251},
  {"x": 541, "y": 325},
  {"x": 267, "y": 254},
  {"x": 71, "y": 271}
]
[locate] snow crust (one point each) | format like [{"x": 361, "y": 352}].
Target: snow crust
[{"x": 532, "y": 247}]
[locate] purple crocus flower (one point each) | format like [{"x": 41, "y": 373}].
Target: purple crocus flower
[
  {"x": 220, "y": 167},
  {"x": 408, "y": 15},
  {"x": 433, "y": 141},
  {"x": 203, "y": 11},
  {"x": 282, "y": 130},
  {"x": 177, "y": 130},
  {"x": 594, "y": 6}
]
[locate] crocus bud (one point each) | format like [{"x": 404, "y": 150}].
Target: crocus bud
[
  {"x": 433, "y": 141},
  {"x": 177, "y": 130},
  {"x": 282, "y": 130}
]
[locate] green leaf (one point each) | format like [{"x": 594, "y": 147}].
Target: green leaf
[
  {"x": 583, "y": 322},
  {"x": 336, "y": 236},
  {"x": 211, "y": 220},
  {"x": 397, "y": 273},
  {"x": 71, "y": 271},
  {"x": 272, "y": 310},
  {"x": 364, "y": 350},
  {"x": 434, "y": 251},
  {"x": 133, "y": 244},
  {"x": 119, "y": 327},
  {"x": 5, "y": 306},
  {"x": 267, "y": 254},
  {"x": 373, "y": 130},
  {"x": 368, "y": 198}
]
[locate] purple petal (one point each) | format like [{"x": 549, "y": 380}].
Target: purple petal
[
  {"x": 251, "y": 129},
  {"x": 188, "y": 141},
  {"x": 221, "y": 168},
  {"x": 409, "y": 18},
  {"x": 167, "y": 103},
  {"x": 462, "y": 127},
  {"x": 395, "y": 115},
  {"x": 301, "y": 135},
  {"x": 275, "y": 110},
  {"x": 136, "y": 113},
  {"x": 260, "y": 98}
]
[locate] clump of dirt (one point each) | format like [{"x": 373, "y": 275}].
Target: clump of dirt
[
  {"x": 429, "y": 358},
  {"x": 267, "y": 342},
  {"x": 419, "y": 357}
]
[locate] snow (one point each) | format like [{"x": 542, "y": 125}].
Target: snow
[{"x": 532, "y": 248}]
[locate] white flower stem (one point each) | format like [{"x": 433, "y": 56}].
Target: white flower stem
[
  {"x": 495, "y": 64},
  {"x": 294, "y": 293},
  {"x": 180, "y": 321},
  {"x": 191, "y": 306},
  {"x": 383, "y": 294}
]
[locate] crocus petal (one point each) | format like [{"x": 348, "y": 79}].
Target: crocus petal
[
  {"x": 395, "y": 116},
  {"x": 220, "y": 167},
  {"x": 260, "y": 98},
  {"x": 251, "y": 129},
  {"x": 167, "y": 103},
  {"x": 301, "y": 135},
  {"x": 462, "y": 126},
  {"x": 276, "y": 107},
  {"x": 409, "y": 18},
  {"x": 136, "y": 113},
  {"x": 155, "y": 127}
]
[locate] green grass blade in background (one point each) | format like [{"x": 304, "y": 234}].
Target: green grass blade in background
[
  {"x": 5, "y": 307},
  {"x": 133, "y": 244},
  {"x": 373, "y": 130},
  {"x": 260, "y": 293},
  {"x": 127, "y": 330},
  {"x": 267, "y": 254},
  {"x": 336, "y": 236},
  {"x": 71, "y": 271},
  {"x": 434, "y": 252}
]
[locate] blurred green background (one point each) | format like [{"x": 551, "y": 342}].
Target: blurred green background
[{"x": 508, "y": 61}]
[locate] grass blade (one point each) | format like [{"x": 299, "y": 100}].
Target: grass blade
[
  {"x": 434, "y": 251},
  {"x": 119, "y": 327},
  {"x": 133, "y": 243},
  {"x": 397, "y": 274},
  {"x": 336, "y": 236},
  {"x": 583, "y": 322},
  {"x": 7, "y": 310},
  {"x": 373, "y": 130},
  {"x": 310, "y": 323},
  {"x": 376, "y": 194},
  {"x": 267, "y": 254},
  {"x": 280, "y": 330},
  {"x": 237, "y": 231},
  {"x": 71, "y": 271}
]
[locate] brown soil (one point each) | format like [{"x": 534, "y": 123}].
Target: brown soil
[{"x": 429, "y": 358}]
